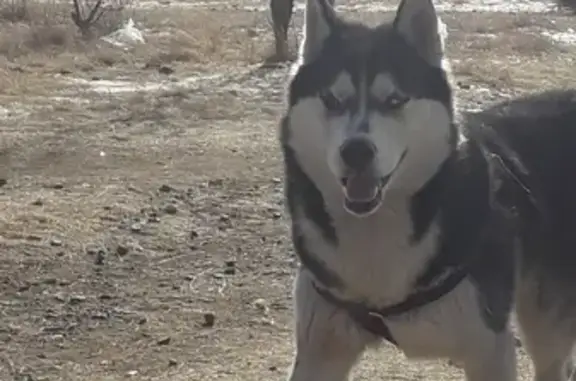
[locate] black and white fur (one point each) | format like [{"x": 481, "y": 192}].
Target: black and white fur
[{"x": 418, "y": 195}]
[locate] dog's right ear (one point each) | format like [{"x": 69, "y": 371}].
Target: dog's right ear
[{"x": 319, "y": 22}]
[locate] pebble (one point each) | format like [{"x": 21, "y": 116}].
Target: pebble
[
  {"x": 164, "y": 341},
  {"x": 122, "y": 250},
  {"x": 136, "y": 228},
  {"x": 76, "y": 299},
  {"x": 170, "y": 209},
  {"x": 209, "y": 320},
  {"x": 99, "y": 259}
]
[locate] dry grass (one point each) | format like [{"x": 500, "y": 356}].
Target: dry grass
[
  {"x": 509, "y": 52},
  {"x": 45, "y": 43}
]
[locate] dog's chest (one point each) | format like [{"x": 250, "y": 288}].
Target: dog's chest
[{"x": 375, "y": 257}]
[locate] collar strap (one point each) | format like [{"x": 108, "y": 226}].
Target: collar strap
[{"x": 373, "y": 319}]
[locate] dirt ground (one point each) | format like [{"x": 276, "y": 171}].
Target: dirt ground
[{"x": 142, "y": 230}]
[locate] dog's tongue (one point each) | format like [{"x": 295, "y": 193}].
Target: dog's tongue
[{"x": 361, "y": 187}]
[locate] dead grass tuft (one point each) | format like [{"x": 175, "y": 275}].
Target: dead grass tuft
[
  {"x": 510, "y": 51},
  {"x": 30, "y": 26},
  {"x": 203, "y": 37}
]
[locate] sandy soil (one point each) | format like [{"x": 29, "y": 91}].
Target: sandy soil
[{"x": 142, "y": 231}]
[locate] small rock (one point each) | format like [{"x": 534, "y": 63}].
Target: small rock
[
  {"x": 55, "y": 186},
  {"x": 230, "y": 270},
  {"x": 55, "y": 242},
  {"x": 164, "y": 341},
  {"x": 464, "y": 86},
  {"x": 99, "y": 259},
  {"x": 224, "y": 218},
  {"x": 60, "y": 298},
  {"x": 267, "y": 322},
  {"x": 165, "y": 188},
  {"x": 142, "y": 320},
  {"x": 136, "y": 228},
  {"x": 3, "y": 182},
  {"x": 50, "y": 281},
  {"x": 105, "y": 297},
  {"x": 215, "y": 182},
  {"x": 209, "y": 320},
  {"x": 273, "y": 368},
  {"x": 261, "y": 305},
  {"x": 92, "y": 250},
  {"x": 165, "y": 70},
  {"x": 122, "y": 250},
  {"x": 33, "y": 237},
  {"x": 77, "y": 299},
  {"x": 276, "y": 215},
  {"x": 170, "y": 209},
  {"x": 99, "y": 316},
  {"x": 132, "y": 373},
  {"x": 38, "y": 202},
  {"x": 172, "y": 362},
  {"x": 230, "y": 263},
  {"x": 153, "y": 219},
  {"x": 194, "y": 234}
]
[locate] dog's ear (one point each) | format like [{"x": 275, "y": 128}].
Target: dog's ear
[
  {"x": 417, "y": 22},
  {"x": 319, "y": 22}
]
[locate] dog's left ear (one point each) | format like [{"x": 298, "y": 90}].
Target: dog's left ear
[{"x": 417, "y": 22}]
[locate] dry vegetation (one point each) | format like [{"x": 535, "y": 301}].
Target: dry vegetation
[{"x": 130, "y": 220}]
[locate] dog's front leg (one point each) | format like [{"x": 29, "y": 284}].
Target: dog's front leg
[{"x": 328, "y": 342}]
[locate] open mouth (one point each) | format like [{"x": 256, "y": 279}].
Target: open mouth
[{"x": 363, "y": 192}]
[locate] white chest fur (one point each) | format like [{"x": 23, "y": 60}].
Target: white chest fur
[
  {"x": 374, "y": 257},
  {"x": 378, "y": 264}
]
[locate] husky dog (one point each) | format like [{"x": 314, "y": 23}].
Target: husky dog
[{"x": 418, "y": 228}]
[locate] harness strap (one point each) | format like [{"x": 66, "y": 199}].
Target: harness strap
[{"x": 373, "y": 319}]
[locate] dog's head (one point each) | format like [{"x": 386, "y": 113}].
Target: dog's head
[{"x": 371, "y": 106}]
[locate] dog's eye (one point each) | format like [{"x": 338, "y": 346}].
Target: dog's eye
[
  {"x": 393, "y": 102},
  {"x": 332, "y": 103}
]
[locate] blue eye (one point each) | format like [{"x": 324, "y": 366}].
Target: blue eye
[{"x": 393, "y": 102}]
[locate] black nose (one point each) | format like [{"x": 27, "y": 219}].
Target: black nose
[{"x": 357, "y": 153}]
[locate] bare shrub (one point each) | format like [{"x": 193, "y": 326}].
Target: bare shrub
[
  {"x": 14, "y": 10},
  {"x": 32, "y": 26},
  {"x": 95, "y": 18}
]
